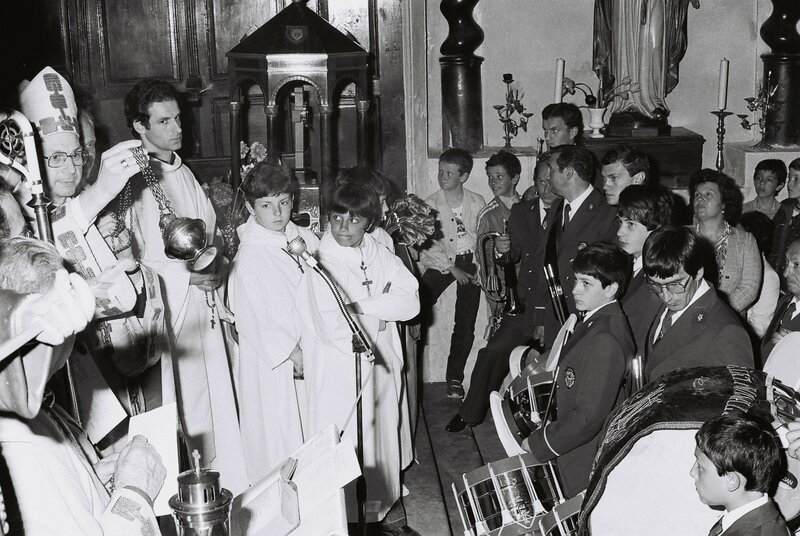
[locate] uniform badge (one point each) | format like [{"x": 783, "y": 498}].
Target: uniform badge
[
  {"x": 544, "y": 225},
  {"x": 700, "y": 317},
  {"x": 581, "y": 245},
  {"x": 569, "y": 377}
]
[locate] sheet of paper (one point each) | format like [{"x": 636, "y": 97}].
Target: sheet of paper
[
  {"x": 322, "y": 476},
  {"x": 273, "y": 511},
  {"x": 101, "y": 411},
  {"x": 160, "y": 427}
]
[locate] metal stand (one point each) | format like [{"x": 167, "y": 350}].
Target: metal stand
[
  {"x": 721, "y": 115},
  {"x": 361, "y": 481}
]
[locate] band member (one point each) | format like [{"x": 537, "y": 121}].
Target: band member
[
  {"x": 591, "y": 369},
  {"x": 785, "y": 319},
  {"x": 523, "y": 244},
  {"x": 738, "y": 465},
  {"x": 379, "y": 291},
  {"x": 641, "y": 210},
  {"x": 582, "y": 217},
  {"x": 503, "y": 170},
  {"x": 262, "y": 290},
  {"x": 694, "y": 327},
  {"x": 562, "y": 124},
  {"x": 620, "y": 167}
]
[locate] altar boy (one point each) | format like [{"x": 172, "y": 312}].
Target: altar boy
[{"x": 591, "y": 370}]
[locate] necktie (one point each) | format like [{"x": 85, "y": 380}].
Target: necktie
[
  {"x": 787, "y": 316},
  {"x": 716, "y": 530},
  {"x": 565, "y": 221},
  {"x": 665, "y": 325}
]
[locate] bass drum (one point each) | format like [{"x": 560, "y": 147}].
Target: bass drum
[{"x": 640, "y": 476}]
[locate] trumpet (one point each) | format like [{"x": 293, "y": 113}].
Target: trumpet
[{"x": 557, "y": 297}]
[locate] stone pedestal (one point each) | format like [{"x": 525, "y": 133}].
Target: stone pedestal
[{"x": 741, "y": 159}]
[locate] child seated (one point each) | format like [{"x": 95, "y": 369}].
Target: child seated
[
  {"x": 262, "y": 290},
  {"x": 768, "y": 179},
  {"x": 787, "y": 223},
  {"x": 738, "y": 466},
  {"x": 591, "y": 369},
  {"x": 378, "y": 291}
]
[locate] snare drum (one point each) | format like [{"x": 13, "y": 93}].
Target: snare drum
[
  {"x": 525, "y": 403},
  {"x": 508, "y": 495},
  {"x": 563, "y": 519}
]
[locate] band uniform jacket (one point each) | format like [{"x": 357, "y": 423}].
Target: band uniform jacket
[
  {"x": 588, "y": 388},
  {"x": 527, "y": 247},
  {"x": 594, "y": 221},
  {"x": 791, "y": 325},
  {"x": 762, "y": 521},
  {"x": 708, "y": 333},
  {"x": 641, "y": 307}
]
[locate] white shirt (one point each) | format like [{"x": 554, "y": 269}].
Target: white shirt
[
  {"x": 542, "y": 212},
  {"x": 576, "y": 203},
  {"x": 637, "y": 265},
  {"x": 729, "y": 518},
  {"x": 702, "y": 288},
  {"x": 593, "y": 311}
]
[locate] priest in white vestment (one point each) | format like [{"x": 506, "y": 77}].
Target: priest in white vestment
[
  {"x": 379, "y": 291},
  {"x": 262, "y": 289},
  {"x": 200, "y": 361}
]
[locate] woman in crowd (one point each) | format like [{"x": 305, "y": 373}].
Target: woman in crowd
[{"x": 717, "y": 205}]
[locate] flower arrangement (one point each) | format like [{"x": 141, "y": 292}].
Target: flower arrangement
[
  {"x": 412, "y": 218},
  {"x": 763, "y": 102},
  {"x": 513, "y": 105},
  {"x": 622, "y": 91}
]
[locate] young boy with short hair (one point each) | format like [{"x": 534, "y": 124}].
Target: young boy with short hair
[
  {"x": 787, "y": 222},
  {"x": 768, "y": 179},
  {"x": 451, "y": 259},
  {"x": 591, "y": 369},
  {"x": 503, "y": 170},
  {"x": 738, "y": 465}
]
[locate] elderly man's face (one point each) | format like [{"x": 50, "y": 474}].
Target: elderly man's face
[
  {"x": 62, "y": 181},
  {"x": 792, "y": 271},
  {"x": 17, "y": 226}
]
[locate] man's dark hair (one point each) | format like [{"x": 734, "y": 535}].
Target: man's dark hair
[
  {"x": 746, "y": 444},
  {"x": 267, "y": 179},
  {"x": 650, "y": 205},
  {"x": 795, "y": 164},
  {"x": 632, "y": 159},
  {"x": 508, "y": 161},
  {"x": 606, "y": 262},
  {"x": 459, "y": 157},
  {"x": 568, "y": 112},
  {"x": 351, "y": 198},
  {"x": 732, "y": 197},
  {"x": 144, "y": 94},
  {"x": 761, "y": 227},
  {"x": 669, "y": 249},
  {"x": 578, "y": 158},
  {"x": 774, "y": 166},
  {"x": 370, "y": 178}
]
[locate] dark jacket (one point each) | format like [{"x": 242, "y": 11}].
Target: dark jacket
[
  {"x": 707, "y": 334},
  {"x": 641, "y": 307},
  {"x": 589, "y": 386},
  {"x": 594, "y": 221},
  {"x": 787, "y": 230},
  {"x": 790, "y": 325},
  {"x": 763, "y": 521}
]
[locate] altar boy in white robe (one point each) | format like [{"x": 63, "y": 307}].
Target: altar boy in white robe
[
  {"x": 379, "y": 291},
  {"x": 262, "y": 289}
]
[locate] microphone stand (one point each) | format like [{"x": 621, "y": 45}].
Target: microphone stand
[{"x": 361, "y": 349}]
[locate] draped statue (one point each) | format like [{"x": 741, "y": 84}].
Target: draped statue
[{"x": 643, "y": 40}]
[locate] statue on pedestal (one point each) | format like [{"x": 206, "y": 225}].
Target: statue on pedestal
[{"x": 644, "y": 40}]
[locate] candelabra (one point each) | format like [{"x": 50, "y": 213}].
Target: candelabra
[
  {"x": 513, "y": 105},
  {"x": 721, "y": 115},
  {"x": 764, "y": 103}
]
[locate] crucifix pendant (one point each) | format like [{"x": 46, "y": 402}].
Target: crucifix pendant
[{"x": 367, "y": 282}]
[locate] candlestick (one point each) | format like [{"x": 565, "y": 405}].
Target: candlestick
[
  {"x": 721, "y": 115},
  {"x": 722, "y": 98},
  {"x": 559, "y": 80}
]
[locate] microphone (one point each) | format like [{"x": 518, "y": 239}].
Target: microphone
[{"x": 297, "y": 246}]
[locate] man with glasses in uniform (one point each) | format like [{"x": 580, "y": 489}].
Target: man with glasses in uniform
[{"x": 694, "y": 327}]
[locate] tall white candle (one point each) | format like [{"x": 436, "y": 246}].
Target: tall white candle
[
  {"x": 559, "y": 80},
  {"x": 722, "y": 98}
]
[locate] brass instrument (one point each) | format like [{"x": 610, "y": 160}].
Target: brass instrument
[
  {"x": 505, "y": 293},
  {"x": 557, "y": 297},
  {"x": 637, "y": 373}
]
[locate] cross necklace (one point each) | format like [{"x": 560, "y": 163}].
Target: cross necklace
[{"x": 367, "y": 282}]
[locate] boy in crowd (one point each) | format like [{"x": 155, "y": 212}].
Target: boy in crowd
[
  {"x": 738, "y": 465},
  {"x": 787, "y": 224},
  {"x": 620, "y": 167},
  {"x": 768, "y": 179},
  {"x": 591, "y": 369},
  {"x": 451, "y": 259},
  {"x": 503, "y": 170}
]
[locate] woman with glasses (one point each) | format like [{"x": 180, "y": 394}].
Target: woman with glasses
[
  {"x": 694, "y": 327},
  {"x": 717, "y": 204}
]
